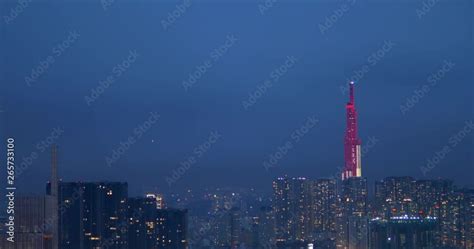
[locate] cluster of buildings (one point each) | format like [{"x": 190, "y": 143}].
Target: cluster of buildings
[
  {"x": 302, "y": 213},
  {"x": 404, "y": 213},
  {"x": 94, "y": 215},
  {"x": 338, "y": 213},
  {"x": 400, "y": 212}
]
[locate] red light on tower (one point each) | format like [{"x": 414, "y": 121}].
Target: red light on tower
[{"x": 352, "y": 150}]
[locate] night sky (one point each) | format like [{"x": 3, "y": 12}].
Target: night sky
[{"x": 305, "y": 51}]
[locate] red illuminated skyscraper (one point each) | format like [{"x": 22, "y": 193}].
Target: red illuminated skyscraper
[{"x": 352, "y": 153}]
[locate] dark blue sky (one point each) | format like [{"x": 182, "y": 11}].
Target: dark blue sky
[{"x": 442, "y": 37}]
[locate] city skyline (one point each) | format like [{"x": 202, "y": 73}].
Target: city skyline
[
  {"x": 403, "y": 212},
  {"x": 266, "y": 124}
]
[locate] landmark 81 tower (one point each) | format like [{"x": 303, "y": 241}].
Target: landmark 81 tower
[{"x": 352, "y": 150}]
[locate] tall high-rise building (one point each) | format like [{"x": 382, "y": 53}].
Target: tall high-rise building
[
  {"x": 395, "y": 196},
  {"x": 53, "y": 198},
  {"x": 305, "y": 212},
  {"x": 291, "y": 205},
  {"x": 265, "y": 228},
  {"x": 431, "y": 199},
  {"x": 323, "y": 208},
  {"x": 352, "y": 211},
  {"x": 92, "y": 215},
  {"x": 141, "y": 223},
  {"x": 434, "y": 198},
  {"x": 352, "y": 143},
  {"x": 172, "y": 227},
  {"x": 153, "y": 228},
  {"x": 227, "y": 228},
  {"x": 466, "y": 224},
  {"x": 235, "y": 220},
  {"x": 352, "y": 215}
]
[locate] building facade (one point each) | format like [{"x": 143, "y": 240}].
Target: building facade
[
  {"x": 352, "y": 217},
  {"x": 405, "y": 232},
  {"x": 93, "y": 215}
]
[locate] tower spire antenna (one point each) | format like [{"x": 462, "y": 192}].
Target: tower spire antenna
[
  {"x": 351, "y": 92},
  {"x": 352, "y": 151},
  {"x": 54, "y": 196}
]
